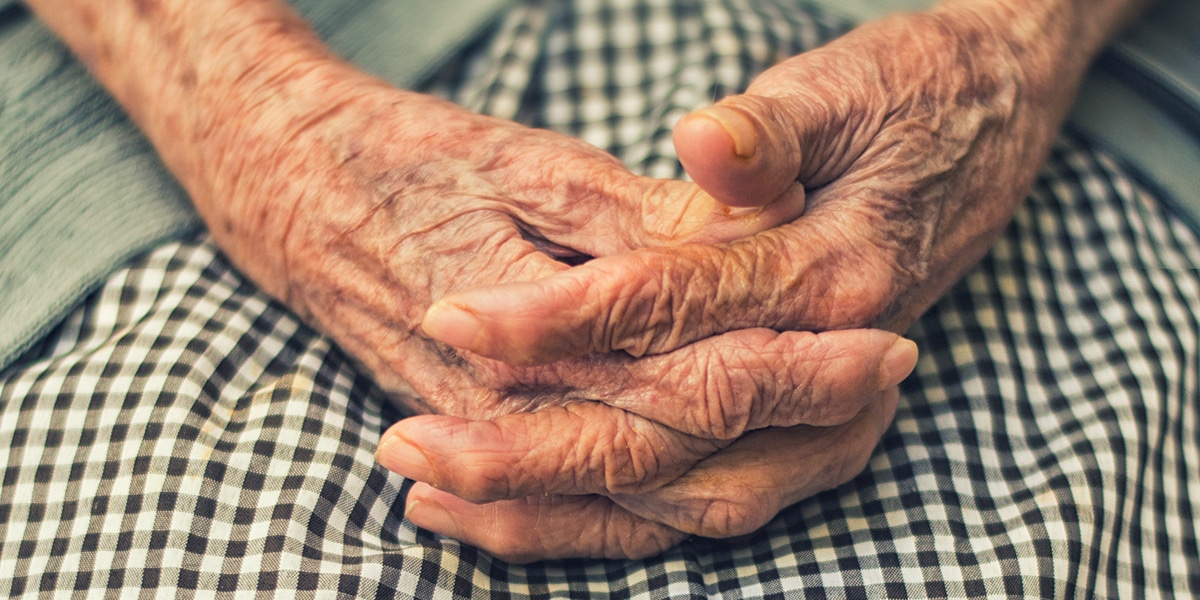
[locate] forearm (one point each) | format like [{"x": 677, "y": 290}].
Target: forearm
[
  {"x": 180, "y": 67},
  {"x": 215, "y": 85},
  {"x": 1052, "y": 41},
  {"x": 1077, "y": 29}
]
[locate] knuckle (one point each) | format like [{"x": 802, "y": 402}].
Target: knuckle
[
  {"x": 727, "y": 406},
  {"x": 634, "y": 538},
  {"x": 642, "y": 455},
  {"x": 777, "y": 380},
  {"x": 481, "y": 481},
  {"x": 638, "y": 459},
  {"x": 746, "y": 279},
  {"x": 766, "y": 274},
  {"x": 813, "y": 401},
  {"x": 631, "y": 314},
  {"x": 736, "y": 513},
  {"x": 666, "y": 300},
  {"x": 609, "y": 451}
]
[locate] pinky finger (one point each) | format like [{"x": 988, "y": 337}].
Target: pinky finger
[
  {"x": 541, "y": 527},
  {"x": 764, "y": 472}
]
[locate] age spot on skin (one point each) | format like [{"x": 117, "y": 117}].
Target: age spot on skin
[
  {"x": 145, "y": 7},
  {"x": 188, "y": 79},
  {"x": 87, "y": 15}
]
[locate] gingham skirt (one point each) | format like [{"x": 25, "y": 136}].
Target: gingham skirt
[{"x": 181, "y": 434}]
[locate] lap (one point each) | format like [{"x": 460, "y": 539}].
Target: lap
[{"x": 180, "y": 430}]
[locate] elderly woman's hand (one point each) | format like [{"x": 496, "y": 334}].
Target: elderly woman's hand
[
  {"x": 916, "y": 137},
  {"x": 391, "y": 200},
  {"x": 583, "y": 481},
  {"x": 426, "y": 207},
  {"x": 388, "y": 200},
  {"x": 359, "y": 205}
]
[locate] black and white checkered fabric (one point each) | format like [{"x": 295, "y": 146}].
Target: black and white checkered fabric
[{"x": 183, "y": 435}]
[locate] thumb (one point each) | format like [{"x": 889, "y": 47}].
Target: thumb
[
  {"x": 792, "y": 125},
  {"x": 743, "y": 151}
]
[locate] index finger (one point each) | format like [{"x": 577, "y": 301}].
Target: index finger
[
  {"x": 797, "y": 277},
  {"x": 631, "y": 441},
  {"x": 762, "y": 473}
]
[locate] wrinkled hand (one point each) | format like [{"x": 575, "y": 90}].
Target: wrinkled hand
[
  {"x": 533, "y": 489},
  {"x": 406, "y": 199},
  {"x": 393, "y": 200},
  {"x": 359, "y": 205},
  {"x": 388, "y": 200},
  {"x": 916, "y": 137}
]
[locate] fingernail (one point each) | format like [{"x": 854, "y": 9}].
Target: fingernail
[
  {"x": 401, "y": 457},
  {"x": 743, "y": 211},
  {"x": 453, "y": 325},
  {"x": 898, "y": 363},
  {"x": 429, "y": 515},
  {"x": 740, "y": 129}
]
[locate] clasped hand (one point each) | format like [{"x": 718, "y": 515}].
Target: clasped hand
[
  {"x": 386, "y": 201},
  {"x": 626, "y": 448},
  {"x": 913, "y": 141},
  {"x": 701, "y": 367}
]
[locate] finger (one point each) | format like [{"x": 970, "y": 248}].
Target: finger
[
  {"x": 581, "y": 448},
  {"x": 721, "y": 387},
  {"x": 741, "y": 157},
  {"x": 801, "y": 276},
  {"x": 755, "y": 149},
  {"x": 589, "y": 447},
  {"x": 798, "y": 121},
  {"x": 764, "y": 472},
  {"x": 627, "y": 212},
  {"x": 530, "y": 529},
  {"x": 577, "y": 197}
]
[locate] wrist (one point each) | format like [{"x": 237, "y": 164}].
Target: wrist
[
  {"x": 217, "y": 88},
  {"x": 231, "y": 114},
  {"x": 1050, "y": 42},
  {"x": 254, "y": 150},
  {"x": 286, "y": 150}
]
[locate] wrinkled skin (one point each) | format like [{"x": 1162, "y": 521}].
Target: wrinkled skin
[
  {"x": 405, "y": 216},
  {"x": 359, "y": 205},
  {"x": 915, "y": 138},
  {"x": 916, "y": 141},
  {"x": 402, "y": 199},
  {"x": 731, "y": 492}
]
